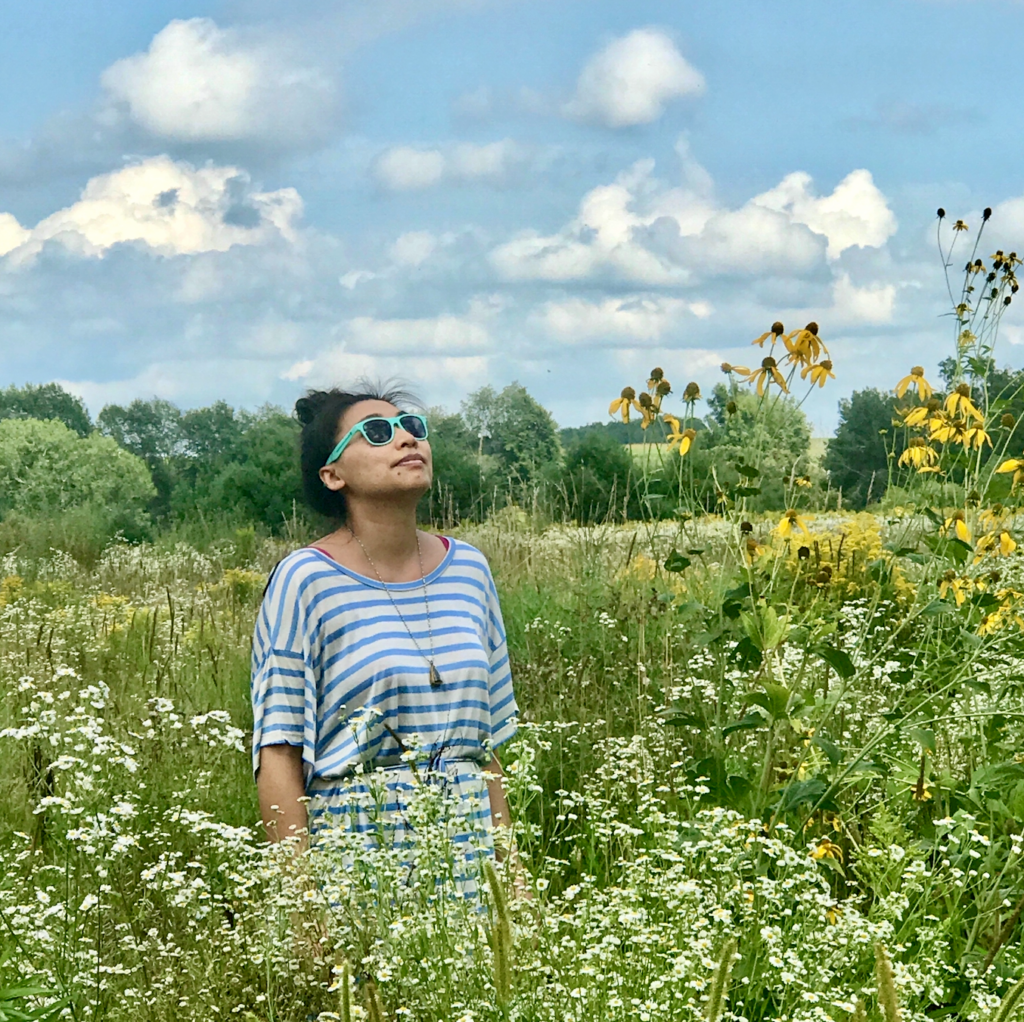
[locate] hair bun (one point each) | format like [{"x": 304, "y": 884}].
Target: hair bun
[{"x": 307, "y": 408}]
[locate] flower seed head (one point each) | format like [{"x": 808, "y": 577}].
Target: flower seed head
[
  {"x": 940, "y": 213},
  {"x": 1007, "y": 421},
  {"x": 826, "y": 364},
  {"x": 746, "y": 527},
  {"x": 777, "y": 328},
  {"x": 692, "y": 392},
  {"x": 963, "y": 390},
  {"x": 804, "y": 553},
  {"x": 663, "y": 389},
  {"x": 769, "y": 363},
  {"x": 657, "y": 374},
  {"x": 812, "y": 328},
  {"x": 628, "y": 393},
  {"x": 645, "y": 401},
  {"x": 986, "y": 213},
  {"x": 730, "y": 407}
]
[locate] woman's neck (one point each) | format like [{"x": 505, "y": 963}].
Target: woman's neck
[{"x": 387, "y": 534}]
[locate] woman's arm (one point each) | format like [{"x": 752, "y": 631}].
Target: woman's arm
[{"x": 281, "y": 786}]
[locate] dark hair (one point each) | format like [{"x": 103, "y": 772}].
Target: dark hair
[{"x": 320, "y": 412}]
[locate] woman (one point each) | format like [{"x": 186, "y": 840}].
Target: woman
[{"x": 379, "y": 639}]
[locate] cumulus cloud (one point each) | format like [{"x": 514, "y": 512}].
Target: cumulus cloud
[
  {"x": 170, "y": 206},
  {"x": 407, "y": 168},
  {"x": 201, "y": 83},
  {"x": 640, "y": 319},
  {"x": 639, "y": 230},
  {"x": 631, "y": 79},
  {"x": 872, "y": 303}
]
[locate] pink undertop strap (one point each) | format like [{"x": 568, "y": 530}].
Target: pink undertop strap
[{"x": 326, "y": 553}]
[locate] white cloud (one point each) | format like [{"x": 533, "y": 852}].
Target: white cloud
[
  {"x": 12, "y": 234},
  {"x": 201, "y": 83},
  {"x": 642, "y": 319},
  {"x": 407, "y": 168},
  {"x": 447, "y": 334},
  {"x": 639, "y": 230},
  {"x": 631, "y": 79},
  {"x": 298, "y": 371},
  {"x": 873, "y": 303},
  {"x": 855, "y": 214},
  {"x": 171, "y": 206},
  {"x": 413, "y": 248}
]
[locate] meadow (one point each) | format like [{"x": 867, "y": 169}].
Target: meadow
[{"x": 769, "y": 763}]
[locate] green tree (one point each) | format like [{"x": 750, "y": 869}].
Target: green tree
[
  {"x": 456, "y": 491},
  {"x": 48, "y": 471},
  {"x": 857, "y": 457},
  {"x": 45, "y": 401},
  {"x": 598, "y": 479},
  {"x": 515, "y": 429},
  {"x": 262, "y": 482}
]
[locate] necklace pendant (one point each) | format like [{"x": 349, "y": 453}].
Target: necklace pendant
[{"x": 435, "y": 678}]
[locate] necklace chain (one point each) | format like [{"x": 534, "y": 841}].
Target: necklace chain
[{"x": 435, "y": 677}]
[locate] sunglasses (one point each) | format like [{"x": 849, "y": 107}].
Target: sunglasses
[{"x": 380, "y": 431}]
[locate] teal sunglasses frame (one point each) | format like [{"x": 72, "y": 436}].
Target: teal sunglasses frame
[{"x": 360, "y": 427}]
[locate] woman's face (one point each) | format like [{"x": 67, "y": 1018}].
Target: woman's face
[{"x": 401, "y": 468}]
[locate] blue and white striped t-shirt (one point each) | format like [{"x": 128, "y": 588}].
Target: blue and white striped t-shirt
[{"x": 334, "y": 669}]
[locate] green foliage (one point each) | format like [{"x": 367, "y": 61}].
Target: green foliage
[
  {"x": 598, "y": 480},
  {"x": 517, "y": 431},
  {"x": 48, "y": 473},
  {"x": 857, "y": 457},
  {"x": 456, "y": 493},
  {"x": 45, "y": 401}
]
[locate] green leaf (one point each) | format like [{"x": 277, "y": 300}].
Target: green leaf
[
  {"x": 748, "y": 470},
  {"x": 924, "y": 737},
  {"x": 802, "y": 793},
  {"x": 831, "y": 750},
  {"x": 684, "y": 720},
  {"x": 747, "y": 491},
  {"x": 676, "y": 562},
  {"x": 838, "y": 659},
  {"x": 749, "y": 722},
  {"x": 935, "y": 608}
]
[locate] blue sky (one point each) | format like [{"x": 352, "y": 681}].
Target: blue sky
[{"x": 240, "y": 200}]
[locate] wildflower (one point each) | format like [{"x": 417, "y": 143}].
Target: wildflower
[
  {"x": 959, "y": 403},
  {"x": 805, "y": 346},
  {"x": 959, "y": 527},
  {"x": 948, "y": 431},
  {"x": 790, "y": 521},
  {"x": 819, "y": 373},
  {"x": 657, "y": 375},
  {"x": 623, "y": 403},
  {"x": 919, "y": 453},
  {"x": 827, "y": 850},
  {"x": 729, "y": 368},
  {"x": 992, "y": 516},
  {"x": 768, "y": 372},
  {"x": 833, "y": 914},
  {"x": 917, "y": 381},
  {"x": 1014, "y": 465},
  {"x": 921, "y": 414},
  {"x": 960, "y": 226},
  {"x": 661, "y": 391},
  {"x": 754, "y": 549},
  {"x": 1000, "y": 543},
  {"x": 952, "y": 583},
  {"x": 1007, "y": 421},
  {"x": 921, "y": 792},
  {"x": 692, "y": 392},
  {"x": 975, "y": 436},
  {"x": 775, "y": 333},
  {"x": 684, "y": 439},
  {"x": 731, "y": 408},
  {"x": 646, "y": 405}
]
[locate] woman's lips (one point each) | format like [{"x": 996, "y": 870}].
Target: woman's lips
[{"x": 412, "y": 459}]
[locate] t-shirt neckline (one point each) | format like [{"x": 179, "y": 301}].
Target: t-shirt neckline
[{"x": 393, "y": 586}]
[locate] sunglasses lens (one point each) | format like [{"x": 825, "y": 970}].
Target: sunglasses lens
[
  {"x": 414, "y": 425},
  {"x": 378, "y": 431}
]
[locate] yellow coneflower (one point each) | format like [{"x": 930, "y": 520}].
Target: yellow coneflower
[
  {"x": 960, "y": 226},
  {"x": 827, "y": 850},
  {"x": 947, "y": 431},
  {"x": 919, "y": 453},
  {"x": 819, "y": 373},
  {"x": 992, "y": 517},
  {"x": 917, "y": 381},
  {"x": 768, "y": 373},
  {"x": 959, "y": 403},
  {"x": 1016, "y": 466},
  {"x": 975, "y": 436},
  {"x": 684, "y": 439},
  {"x": 691, "y": 393},
  {"x": 791, "y": 520},
  {"x": 623, "y": 403},
  {"x": 754, "y": 549},
  {"x": 805, "y": 346},
  {"x": 775, "y": 333},
  {"x": 647, "y": 410},
  {"x": 957, "y": 585},
  {"x": 661, "y": 391},
  {"x": 921, "y": 414},
  {"x": 957, "y": 524},
  {"x": 739, "y": 370},
  {"x": 1001, "y": 543},
  {"x": 657, "y": 375}
]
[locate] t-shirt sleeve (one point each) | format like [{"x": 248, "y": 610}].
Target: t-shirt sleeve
[
  {"x": 504, "y": 711},
  {"x": 283, "y": 683}
]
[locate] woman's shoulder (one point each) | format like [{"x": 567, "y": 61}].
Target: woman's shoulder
[
  {"x": 466, "y": 554},
  {"x": 297, "y": 571}
]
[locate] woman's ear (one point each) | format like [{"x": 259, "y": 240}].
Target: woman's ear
[{"x": 330, "y": 478}]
